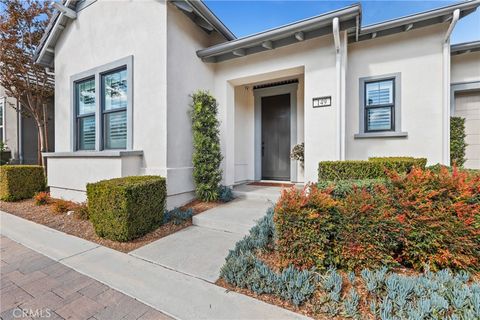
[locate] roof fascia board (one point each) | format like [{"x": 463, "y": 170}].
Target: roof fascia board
[
  {"x": 465, "y": 47},
  {"x": 281, "y": 32},
  {"x": 468, "y": 6},
  {"x": 204, "y": 12}
]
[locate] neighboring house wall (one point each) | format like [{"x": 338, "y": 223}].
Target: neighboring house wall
[
  {"x": 27, "y": 135},
  {"x": 10, "y": 137},
  {"x": 466, "y": 101},
  {"x": 417, "y": 56}
]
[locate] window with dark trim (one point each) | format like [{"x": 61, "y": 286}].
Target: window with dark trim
[
  {"x": 379, "y": 105},
  {"x": 114, "y": 109},
  {"x": 85, "y": 114},
  {"x": 103, "y": 107}
]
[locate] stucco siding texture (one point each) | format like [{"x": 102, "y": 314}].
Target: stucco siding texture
[
  {"x": 314, "y": 60},
  {"x": 186, "y": 73},
  {"x": 107, "y": 31},
  {"x": 465, "y": 67},
  {"x": 417, "y": 56}
]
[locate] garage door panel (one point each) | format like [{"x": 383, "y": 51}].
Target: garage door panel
[
  {"x": 472, "y": 139},
  {"x": 467, "y": 105},
  {"x": 472, "y": 126}
]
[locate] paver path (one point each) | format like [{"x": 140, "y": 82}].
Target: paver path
[{"x": 33, "y": 285}]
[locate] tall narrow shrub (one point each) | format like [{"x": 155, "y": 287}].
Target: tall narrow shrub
[
  {"x": 457, "y": 141},
  {"x": 206, "y": 146}
]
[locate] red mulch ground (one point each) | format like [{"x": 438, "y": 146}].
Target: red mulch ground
[{"x": 84, "y": 229}]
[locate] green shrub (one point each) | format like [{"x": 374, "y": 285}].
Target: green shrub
[
  {"x": 206, "y": 146},
  {"x": 225, "y": 194},
  {"x": 400, "y": 164},
  {"x": 19, "y": 182},
  {"x": 243, "y": 269},
  {"x": 177, "y": 216},
  {"x": 374, "y": 168},
  {"x": 126, "y": 208},
  {"x": 422, "y": 218},
  {"x": 342, "y": 188},
  {"x": 383, "y": 294},
  {"x": 457, "y": 141}
]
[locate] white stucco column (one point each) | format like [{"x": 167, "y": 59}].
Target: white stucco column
[{"x": 227, "y": 134}]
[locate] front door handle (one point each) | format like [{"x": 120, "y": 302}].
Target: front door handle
[{"x": 263, "y": 148}]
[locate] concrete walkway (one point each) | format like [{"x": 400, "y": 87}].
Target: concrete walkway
[
  {"x": 200, "y": 250},
  {"x": 168, "y": 274}
]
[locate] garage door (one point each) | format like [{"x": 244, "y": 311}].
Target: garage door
[{"x": 467, "y": 105}]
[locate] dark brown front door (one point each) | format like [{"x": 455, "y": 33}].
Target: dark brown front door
[{"x": 276, "y": 137}]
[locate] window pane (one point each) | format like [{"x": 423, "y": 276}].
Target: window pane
[
  {"x": 86, "y": 97},
  {"x": 115, "y": 90},
  {"x": 380, "y": 92},
  {"x": 86, "y": 133},
  {"x": 116, "y": 130},
  {"x": 379, "y": 119}
]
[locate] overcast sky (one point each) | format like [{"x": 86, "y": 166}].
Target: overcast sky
[{"x": 245, "y": 17}]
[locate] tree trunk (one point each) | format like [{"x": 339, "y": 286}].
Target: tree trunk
[
  {"x": 41, "y": 143},
  {"x": 45, "y": 126}
]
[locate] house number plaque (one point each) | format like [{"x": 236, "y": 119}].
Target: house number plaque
[{"x": 322, "y": 102}]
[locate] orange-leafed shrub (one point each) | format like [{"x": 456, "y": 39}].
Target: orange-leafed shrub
[
  {"x": 62, "y": 206},
  {"x": 42, "y": 198},
  {"x": 423, "y": 218}
]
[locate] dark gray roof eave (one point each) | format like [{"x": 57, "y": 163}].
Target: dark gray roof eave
[
  {"x": 350, "y": 12},
  {"x": 465, "y": 47}
]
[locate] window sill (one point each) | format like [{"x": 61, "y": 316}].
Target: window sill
[
  {"x": 381, "y": 135},
  {"x": 94, "y": 154}
]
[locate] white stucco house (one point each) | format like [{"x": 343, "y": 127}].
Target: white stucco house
[{"x": 124, "y": 71}]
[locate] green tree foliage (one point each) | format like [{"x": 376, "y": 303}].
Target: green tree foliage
[
  {"x": 206, "y": 146},
  {"x": 457, "y": 141}
]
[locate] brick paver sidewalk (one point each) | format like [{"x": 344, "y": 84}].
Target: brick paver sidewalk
[{"x": 34, "y": 286}]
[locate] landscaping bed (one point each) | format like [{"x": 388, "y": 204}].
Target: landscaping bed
[
  {"x": 404, "y": 247},
  {"x": 46, "y": 215}
]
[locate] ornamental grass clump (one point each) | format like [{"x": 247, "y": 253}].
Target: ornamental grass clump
[{"x": 206, "y": 146}]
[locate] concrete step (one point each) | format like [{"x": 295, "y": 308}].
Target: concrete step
[
  {"x": 251, "y": 192},
  {"x": 238, "y": 216}
]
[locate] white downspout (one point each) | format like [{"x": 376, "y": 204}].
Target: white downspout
[
  {"x": 446, "y": 89},
  {"x": 338, "y": 66}
]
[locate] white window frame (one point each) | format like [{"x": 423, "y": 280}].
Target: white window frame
[
  {"x": 397, "y": 114},
  {"x": 96, "y": 73}
]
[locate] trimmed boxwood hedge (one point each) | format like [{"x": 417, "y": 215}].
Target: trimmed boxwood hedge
[
  {"x": 342, "y": 188},
  {"x": 19, "y": 182},
  {"x": 374, "y": 168},
  {"x": 126, "y": 208}
]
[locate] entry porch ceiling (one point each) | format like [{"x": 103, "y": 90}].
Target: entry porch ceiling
[{"x": 318, "y": 26}]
